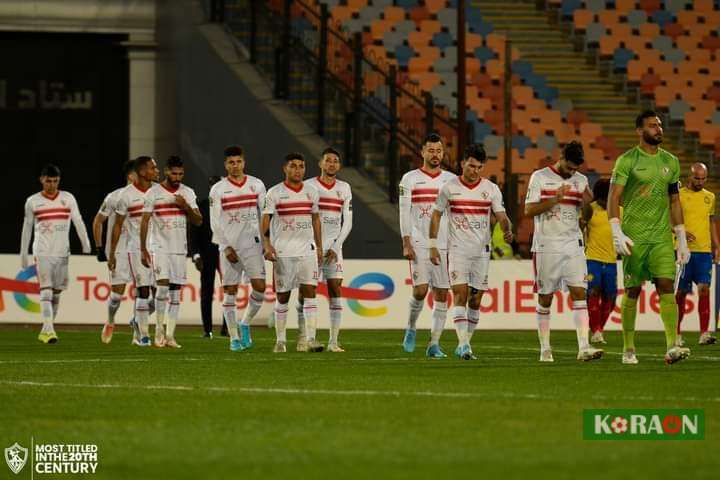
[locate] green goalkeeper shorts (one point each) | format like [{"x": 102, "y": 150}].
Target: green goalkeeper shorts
[{"x": 648, "y": 261}]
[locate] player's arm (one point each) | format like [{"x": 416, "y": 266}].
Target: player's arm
[
  {"x": 505, "y": 225},
  {"x": 441, "y": 204},
  {"x": 317, "y": 233},
  {"x": 498, "y": 210},
  {"x": 534, "y": 205},
  {"x": 97, "y": 230},
  {"x": 79, "y": 226},
  {"x": 585, "y": 216},
  {"x": 404, "y": 204},
  {"x": 347, "y": 220},
  {"x": 144, "y": 228},
  {"x": 26, "y": 236},
  {"x": 189, "y": 206},
  {"x": 678, "y": 224},
  {"x": 269, "y": 251},
  {"x": 115, "y": 238}
]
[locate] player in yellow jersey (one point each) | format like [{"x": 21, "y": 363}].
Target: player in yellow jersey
[
  {"x": 698, "y": 207},
  {"x": 601, "y": 260}
]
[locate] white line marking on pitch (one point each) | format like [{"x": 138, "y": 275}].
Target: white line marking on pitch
[{"x": 360, "y": 393}]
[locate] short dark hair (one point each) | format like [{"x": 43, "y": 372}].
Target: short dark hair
[
  {"x": 50, "y": 170},
  {"x": 573, "y": 152},
  {"x": 174, "y": 161},
  {"x": 601, "y": 189},
  {"x": 330, "y": 151},
  {"x": 476, "y": 151},
  {"x": 432, "y": 138},
  {"x": 294, "y": 156},
  {"x": 141, "y": 161},
  {"x": 640, "y": 119},
  {"x": 233, "y": 151},
  {"x": 128, "y": 167}
]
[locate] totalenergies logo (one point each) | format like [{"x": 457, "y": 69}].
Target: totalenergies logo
[
  {"x": 354, "y": 293},
  {"x": 21, "y": 286}
]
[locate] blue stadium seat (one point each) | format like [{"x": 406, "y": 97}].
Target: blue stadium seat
[{"x": 621, "y": 57}]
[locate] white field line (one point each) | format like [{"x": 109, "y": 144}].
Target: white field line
[{"x": 345, "y": 393}]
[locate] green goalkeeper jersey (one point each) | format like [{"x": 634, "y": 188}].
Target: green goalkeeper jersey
[{"x": 646, "y": 201}]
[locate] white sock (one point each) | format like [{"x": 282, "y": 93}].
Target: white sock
[
  {"x": 55, "y": 304},
  {"x": 461, "y": 324},
  {"x": 582, "y": 322},
  {"x": 113, "y": 306},
  {"x": 301, "y": 319},
  {"x": 281, "y": 310},
  {"x": 336, "y": 309},
  {"x": 414, "y": 313},
  {"x": 543, "y": 320},
  {"x": 161, "y": 300},
  {"x": 473, "y": 316},
  {"x": 46, "y": 309},
  {"x": 229, "y": 312},
  {"x": 254, "y": 304},
  {"x": 310, "y": 314},
  {"x": 173, "y": 313},
  {"x": 439, "y": 315},
  {"x": 141, "y": 316}
]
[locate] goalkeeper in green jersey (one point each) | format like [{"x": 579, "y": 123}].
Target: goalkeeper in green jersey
[{"x": 645, "y": 181}]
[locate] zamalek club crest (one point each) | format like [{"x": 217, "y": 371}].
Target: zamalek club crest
[{"x": 16, "y": 456}]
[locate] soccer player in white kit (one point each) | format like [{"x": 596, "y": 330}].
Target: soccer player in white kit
[
  {"x": 555, "y": 198},
  {"x": 128, "y": 213},
  {"x": 170, "y": 204},
  {"x": 291, "y": 214},
  {"x": 47, "y": 218},
  {"x": 235, "y": 206},
  {"x": 335, "y": 204},
  {"x": 468, "y": 200},
  {"x": 418, "y": 191},
  {"x": 121, "y": 276}
]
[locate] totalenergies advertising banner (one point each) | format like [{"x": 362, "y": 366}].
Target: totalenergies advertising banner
[{"x": 376, "y": 294}]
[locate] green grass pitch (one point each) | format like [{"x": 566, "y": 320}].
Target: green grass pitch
[{"x": 372, "y": 412}]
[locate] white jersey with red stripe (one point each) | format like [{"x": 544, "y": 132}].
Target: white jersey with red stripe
[
  {"x": 48, "y": 219},
  {"x": 291, "y": 231},
  {"x": 335, "y": 205},
  {"x": 235, "y": 212},
  {"x": 107, "y": 210},
  {"x": 130, "y": 204},
  {"x": 169, "y": 221},
  {"x": 558, "y": 229},
  {"x": 468, "y": 208},
  {"x": 417, "y": 194}
]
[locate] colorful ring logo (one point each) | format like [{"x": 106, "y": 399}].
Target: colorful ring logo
[
  {"x": 21, "y": 298},
  {"x": 354, "y": 292}
]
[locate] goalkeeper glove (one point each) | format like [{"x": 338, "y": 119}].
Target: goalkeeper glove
[
  {"x": 683, "y": 252},
  {"x": 100, "y": 254},
  {"x": 623, "y": 243}
]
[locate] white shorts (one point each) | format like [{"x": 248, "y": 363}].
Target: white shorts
[
  {"x": 422, "y": 270},
  {"x": 251, "y": 265},
  {"x": 334, "y": 270},
  {"x": 170, "y": 266},
  {"x": 556, "y": 271},
  {"x": 142, "y": 276},
  {"x": 121, "y": 275},
  {"x": 469, "y": 269},
  {"x": 52, "y": 272},
  {"x": 291, "y": 272}
]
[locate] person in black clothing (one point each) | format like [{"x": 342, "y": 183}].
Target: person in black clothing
[{"x": 205, "y": 258}]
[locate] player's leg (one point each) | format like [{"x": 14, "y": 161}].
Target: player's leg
[
  {"x": 420, "y": 274},
  {"x": 45, "y": 271},
  {"x": 334, "y": 286},
  {"x": 285, "y": 275},
  {"x": 575, "y": 277},
  {"x": 307, "y": 278},
  {"x": 459, "y": 316},
  {"x": 635, "y": 273},
  {"x": 683, "y": 289},
  {"x": 547, "y": 281},
  {"x": 594, "y": 301},
  {"x": 161, "y": 263},
  {"x": 478, "y": 283},
  {"x": 609, "y": 295},
  {"x": 301, "y": 345},
  {"x": 178, "y": 278},
  {"x": 473, "y": 311},
  {"x": 440, "y": 282},
  {"x": 113, "y": 305},
  {"x": 703, "y": 277},
  {"x": 254, "y": 267},
  {"x": 230, "y": 276}
]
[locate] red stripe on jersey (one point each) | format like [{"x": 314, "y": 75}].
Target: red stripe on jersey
[
  {"x": 470, "y": 211},
  {"x": 423, "y": 200},
  {"x": 331, "y": 200},
  {"x": 160, "y": 206},
  {"x": 236, "y": 206},
  {"x": 42, "y": 218},
  {"x": 331, "y": 208},
  {"x": 135, "y": 207},
  {"x": 280, "y": 206},
  {"x": 294, "y": 212},
  {"x": 44, "y": 211},
  {"x": 135, "y": 214},
  {"x": 420, "y": 191},
  {"x": 471, "y": 203},
  {"x": 567, "y": 194},
  {"x": 170, "y": 213},
  {"x": 236, "y": 198}
]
